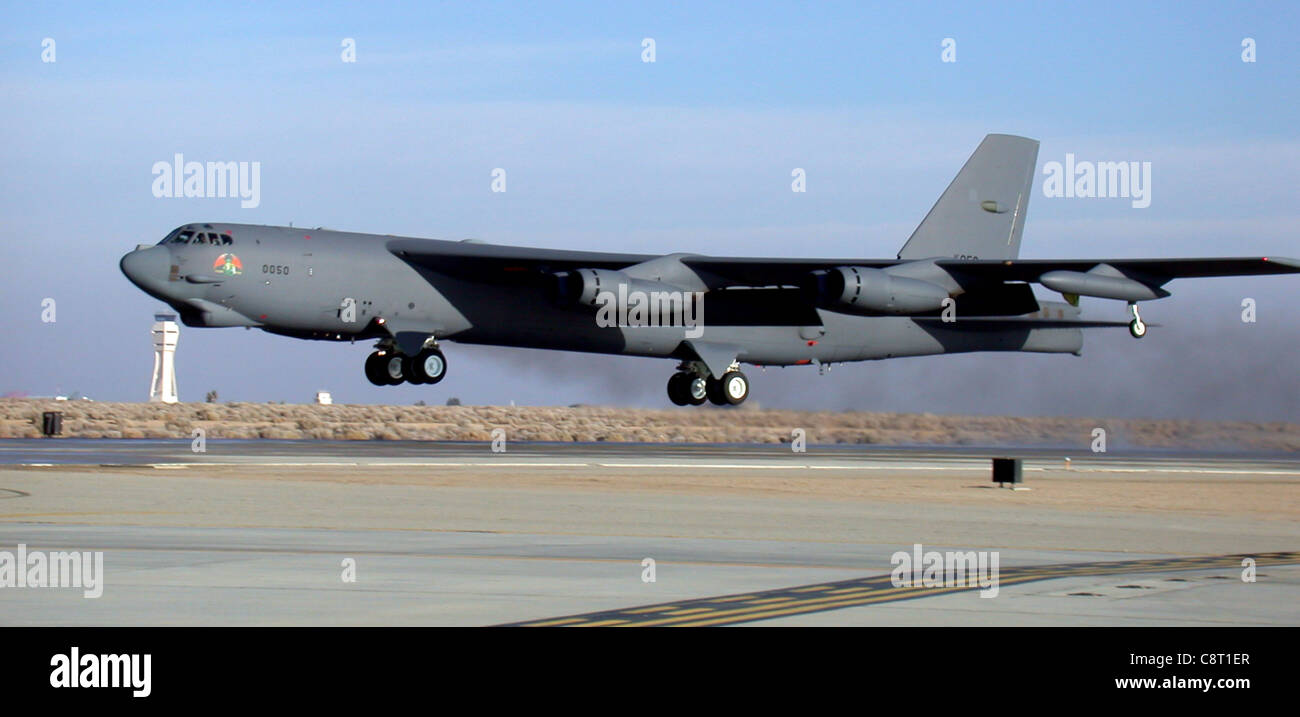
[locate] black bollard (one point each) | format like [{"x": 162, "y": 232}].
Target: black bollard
[
  {"x": 52, "y": 423},
  {"x": 1007, "y": 470}
]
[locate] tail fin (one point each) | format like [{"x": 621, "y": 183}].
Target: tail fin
[{"x": 982, "y": 213}]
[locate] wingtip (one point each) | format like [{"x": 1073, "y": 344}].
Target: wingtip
[{"x": 1284, "y": 261}]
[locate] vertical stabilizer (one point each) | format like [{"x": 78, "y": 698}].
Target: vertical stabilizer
[{"x": 982, "y": 213}]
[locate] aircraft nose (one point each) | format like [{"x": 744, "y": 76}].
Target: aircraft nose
[{"x": 148, "y": 268}]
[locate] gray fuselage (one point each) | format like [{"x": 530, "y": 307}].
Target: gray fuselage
[{"x": 298, "y": 282}]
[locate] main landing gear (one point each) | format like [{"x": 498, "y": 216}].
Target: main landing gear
[
  {"x": 1136, "y": 327},
  {"x": 389, "y": 367},
  {"x": 692, "y": 385}
]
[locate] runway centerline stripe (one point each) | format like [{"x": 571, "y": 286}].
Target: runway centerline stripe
[{"x": 876, "y": 589}]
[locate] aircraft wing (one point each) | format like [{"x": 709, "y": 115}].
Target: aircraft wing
[
  {"x": 746, "y": 271},
  {"x": 512, "y": 264},
  {"x": 1003, "y": 323},
  {"x": 1153, "y": 272},
  {"x": 477, "y": 261},
  {"x": 497, "y": 263}
]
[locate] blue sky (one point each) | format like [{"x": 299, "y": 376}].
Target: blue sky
[{"x": 690, "y": 153}]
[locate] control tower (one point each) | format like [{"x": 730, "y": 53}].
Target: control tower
[{"x": 165, "y": 335}]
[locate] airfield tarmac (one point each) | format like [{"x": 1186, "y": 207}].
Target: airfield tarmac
[{"x": 256, "y": 532}]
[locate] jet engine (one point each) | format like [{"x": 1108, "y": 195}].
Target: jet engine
[
  {"x": 875, "y": 291},
  {"x": 580, "y": 287}
]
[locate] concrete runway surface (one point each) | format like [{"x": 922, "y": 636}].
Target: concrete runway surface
[{"x": 257, "y": 533}]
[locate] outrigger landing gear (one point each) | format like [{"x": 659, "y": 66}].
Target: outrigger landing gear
[
  {"x": 692, "y": 386},
  {"x": 1136, "y": 327}
]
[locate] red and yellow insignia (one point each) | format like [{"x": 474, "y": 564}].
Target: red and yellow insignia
[{"x": 228, "y": 264}]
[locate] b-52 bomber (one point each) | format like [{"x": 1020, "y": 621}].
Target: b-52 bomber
[{"x": 956, "y": 286}]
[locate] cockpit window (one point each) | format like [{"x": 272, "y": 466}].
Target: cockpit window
[{"x": 189, "y": 236}]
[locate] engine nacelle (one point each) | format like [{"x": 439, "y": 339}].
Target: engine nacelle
[
  {"x": 873, "y": 290},
  {"x": 580, "y": 287}
]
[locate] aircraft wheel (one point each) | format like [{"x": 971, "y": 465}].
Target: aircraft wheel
[
  {"x": 734, "y": 387},
  {"x": 713, "y": 389},
  {"x": 428, "y": 366},
  {"x": 696, "y": 389},
  {"x": 677, "y": 389},
  {"x": 376, "y": 368},
  {"x": 396, "y": 368},
  {"x": 1137, "y": 328}
]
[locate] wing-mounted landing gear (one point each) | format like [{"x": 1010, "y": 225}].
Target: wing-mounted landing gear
[
  {"x": 389, "y": 366},
  {"x": 1137, "y": 328},
  {"x": 692, "y": 385}
]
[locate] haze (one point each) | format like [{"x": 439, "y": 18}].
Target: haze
[{"x": 692, "y": 152}]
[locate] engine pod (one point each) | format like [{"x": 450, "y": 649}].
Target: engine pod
[
  {"x": 876, "y": 291},
  {"x": 581, "y": 287}
]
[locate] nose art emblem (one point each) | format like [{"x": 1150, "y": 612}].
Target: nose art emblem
[{"x": 228, "y": 264}]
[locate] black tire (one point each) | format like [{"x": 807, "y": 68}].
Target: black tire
[
  {"x": 714, "y": 392},
  {"x": 696, "y": 389},
  {"x": 677, "y": 389},
  {"x": 396, "y": 368},
  {"x": 1137, "y": 329},
  {"x": 375, "y": 371},
  {"x": 734, "y": 387},
  {"x": 428, "y": 366}
]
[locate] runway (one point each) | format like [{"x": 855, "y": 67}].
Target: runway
[
  {"x": 258, "y": 533},
  {"x": 804, "y": 599},
  {"x": 177, "y": 453}
]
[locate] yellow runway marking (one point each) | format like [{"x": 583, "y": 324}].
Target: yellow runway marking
[
  {"x": 561, "y": 621},
  {"x": 733, "y": 609}
]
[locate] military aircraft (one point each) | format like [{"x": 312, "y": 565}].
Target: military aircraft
[{"x": 956, "y": 286}]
